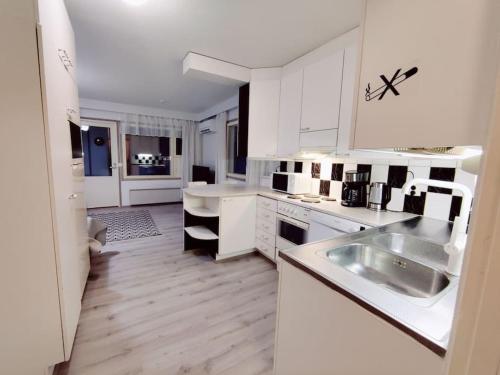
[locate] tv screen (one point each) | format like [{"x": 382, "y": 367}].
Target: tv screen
[{"x": 76, "y": 140}]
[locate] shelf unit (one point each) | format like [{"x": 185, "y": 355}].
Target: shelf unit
[
  {"x": 201, "y": 223},
  {"x": 202, "y": 211},
  {"x": 201, "y": 232}
]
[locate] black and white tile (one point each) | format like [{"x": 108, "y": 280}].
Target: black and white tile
[{"x": 443, "y": 204}]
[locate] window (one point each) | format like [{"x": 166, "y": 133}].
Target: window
[
  {"x": 235, "y": 164},
  {"x": 151, "y": 156}
]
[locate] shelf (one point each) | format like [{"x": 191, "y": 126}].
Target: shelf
[
  {"x": 201, "y": 211},
  {"x": 201, "y": 233}
]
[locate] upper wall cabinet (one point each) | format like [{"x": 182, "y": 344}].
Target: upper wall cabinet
[
  {"x": 290, "y": 113},
  {"x": 321, "y": 93},
  {"x": 426, "y": 83},
  {"x": 263, "y": 114}
]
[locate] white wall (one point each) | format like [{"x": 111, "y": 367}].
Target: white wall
[{"x": 209, "y": 148}]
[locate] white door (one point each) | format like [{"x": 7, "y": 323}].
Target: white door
[{"x": 100, "y": 149}]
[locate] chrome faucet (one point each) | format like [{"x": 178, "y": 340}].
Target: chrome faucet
[{"x": 455, "y": 248}]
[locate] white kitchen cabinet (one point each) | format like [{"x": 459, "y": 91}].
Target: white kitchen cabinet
[
  {"x": 61, "y": 103},
  {"x": 290, "y": 113},
  {"x": 440, "y": 60},
  {"x": 264, "y": 103},
  {"x": 265, "y": 235},
  {"x": 321, "y": 93},
  {"x": 319, "y": 330},
  {"x": 320, "y": 140},
  {"x": 347, "y": 99},
  {"x": 48, "y": 261},
  {"x": 237, "y": 225}
]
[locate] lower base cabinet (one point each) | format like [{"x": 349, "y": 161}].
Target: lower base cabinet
[{"x": 322, "y": 332}]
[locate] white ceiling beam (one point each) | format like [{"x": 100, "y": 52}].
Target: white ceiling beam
[{"x": 213, "y": 70}]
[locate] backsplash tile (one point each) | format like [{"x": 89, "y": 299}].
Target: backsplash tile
[
  {"x": 415, "y": 204},
  {"x": 456, "y": 203},
  {"x": 325, "y": 173},
  {"x": 443, "y": 174},
  {"x": 283, "y": 166},
  {"x": 337, "y": 171},
  {"x": 438, "y": 206},
  {"x": 397, "y": 176},
  {"x": 316, "y": 170},
  {"x": 365, "y": 168},
  {"x": 324, "y": 188},
  {"x": 443, "y": 204}
]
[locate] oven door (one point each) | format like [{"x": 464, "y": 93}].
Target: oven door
[
  {"x": 280, "y": 182},
  {"x": 294, "y": 232}
]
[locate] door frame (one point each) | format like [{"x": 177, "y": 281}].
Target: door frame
[
  {"x": 475, "y": 338},
  {"x": 116, "y": 153}
]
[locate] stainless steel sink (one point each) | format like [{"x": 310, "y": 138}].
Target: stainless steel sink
[
  {"x": 389, "y": 269},
  {"x": 412, "y": 247}
]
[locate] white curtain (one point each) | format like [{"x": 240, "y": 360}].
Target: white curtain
[
  {"x": 191, "y": 150},
  {"x": 156, "y": 126},
  {"x": 221, "y": 144}
]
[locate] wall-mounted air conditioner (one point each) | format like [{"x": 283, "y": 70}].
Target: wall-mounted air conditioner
[{"x": 207, "y": 127}]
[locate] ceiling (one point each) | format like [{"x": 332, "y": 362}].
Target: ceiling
[{"x": 133, "y": 54}]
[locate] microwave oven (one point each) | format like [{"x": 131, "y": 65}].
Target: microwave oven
[{"x": 291, "y": 183}]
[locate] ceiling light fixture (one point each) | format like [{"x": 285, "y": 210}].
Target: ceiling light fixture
[{"x": 135, "y": 2}]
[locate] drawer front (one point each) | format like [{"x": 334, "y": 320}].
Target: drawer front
[
  {"x": 267, "y": 203},
  {"x": 266, "y": 249},
  {"x": 266, "y": 215},
  {"x": 266, "y": 226},
  {"x": 268, "y": 238}
]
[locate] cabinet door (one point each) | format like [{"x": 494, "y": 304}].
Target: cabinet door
[
  {"x": 237, "y": 224},
  {"x": 426, "y": 85},
  {"x": 264, "y": 112},
  {"x": 321, "y": 93},
  {"x": 347, "y": 99},
  {"x": 290, "y": 112}
]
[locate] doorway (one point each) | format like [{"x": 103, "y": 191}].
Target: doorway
[{"x": 100, "y": 150}]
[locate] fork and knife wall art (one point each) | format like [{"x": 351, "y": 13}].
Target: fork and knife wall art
[{"x": 389, "y": 85}]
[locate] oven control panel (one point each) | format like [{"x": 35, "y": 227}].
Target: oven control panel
[{"x": 294, "y": 211}]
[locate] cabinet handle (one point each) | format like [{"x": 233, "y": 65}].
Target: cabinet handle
[
  {"x": 73, "y": 196},
  {"x": 304, "y": 129}
]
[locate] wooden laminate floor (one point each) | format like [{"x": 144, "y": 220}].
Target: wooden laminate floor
[{"x": 149, "y": 308}]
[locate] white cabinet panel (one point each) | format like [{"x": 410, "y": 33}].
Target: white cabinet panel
[
  {"x": 321, "y": 93},
  {"x": 234, "y": 237},
  {"x": 324, "y": 139},
  {"x": 267, "y": 203},
  {"x": 263, "y": 114},
  {"x": 334, "y": 327},
  {"x": 446, "y": 98},
  {"x": 60, "y": 97},
  {"x": 347, "y": 99},
  {"x": 266, "y": 215},
  {"x": 266, "y": 249},
  {"x": 290, "y": 113}
]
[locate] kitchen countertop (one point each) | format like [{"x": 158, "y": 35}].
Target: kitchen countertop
[
  {"x": 429, "y": 322},
  {"x": 358, "y": 214}
]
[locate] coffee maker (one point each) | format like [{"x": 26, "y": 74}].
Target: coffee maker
[{"x": 354, "y": 191}]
